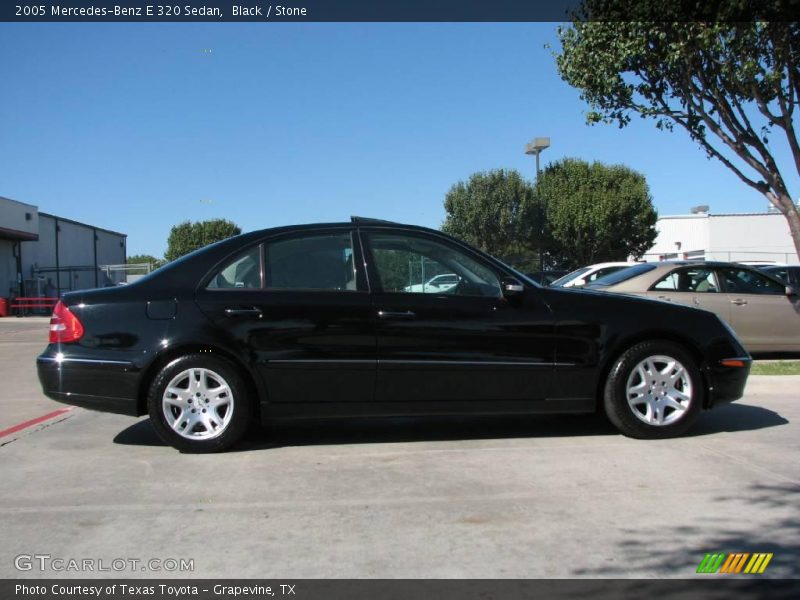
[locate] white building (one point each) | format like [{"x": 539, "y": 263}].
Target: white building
[
  {"x": 729, "y": 237},
  {"x": 37, "y": 248}
]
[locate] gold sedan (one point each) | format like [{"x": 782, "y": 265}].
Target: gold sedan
[{"x": 763, "y": 311}]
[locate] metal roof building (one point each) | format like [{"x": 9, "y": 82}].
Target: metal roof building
[
  {"x": 728, "y": 237},
  {"x": 36, "y": 247}
]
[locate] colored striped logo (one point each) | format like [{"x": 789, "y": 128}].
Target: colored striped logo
[{"x": 738, "y": 562}]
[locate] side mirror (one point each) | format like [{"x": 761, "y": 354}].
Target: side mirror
[
  {"x": 790, "y": 291},
  {"x": 512, "y": 288},
  {"x": 579, "y": 282}
]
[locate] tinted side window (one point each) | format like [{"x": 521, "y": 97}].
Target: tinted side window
[
  {"x": 744, "y": 281},
  {"x": 311, "y": 262},
  {"x": 244, "y": 272},
  {"x": 780, "y": 273},
  {"x": 411, "y": 264}
]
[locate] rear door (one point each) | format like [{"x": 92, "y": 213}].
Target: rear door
[
  {"x": 298, "y": 307},
  {"x": 448, "y": 350}
]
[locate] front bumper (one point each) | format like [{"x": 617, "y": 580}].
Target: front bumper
[
  {"x": 727, "y": 383},
  {"x": 104, "y": 385}
]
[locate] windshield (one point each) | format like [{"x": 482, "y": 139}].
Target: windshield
[
  {"x": 569, "y": 276},
  {"x": 623, "y": 275}
]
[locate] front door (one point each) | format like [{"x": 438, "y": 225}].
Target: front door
[
  {"x": 442, "y": 348},
  {"x": 763, "y": 316}
]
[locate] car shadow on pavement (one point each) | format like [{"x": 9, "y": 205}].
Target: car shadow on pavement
[
  {"x": 729, "y": 418},
  {"x": 735, "y": 417},
  {"x": 312, "y": 432}
]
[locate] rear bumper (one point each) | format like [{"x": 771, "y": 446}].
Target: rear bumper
[
  {"x": 104, "y": 385},
  {"x": 726, "y": 383}
]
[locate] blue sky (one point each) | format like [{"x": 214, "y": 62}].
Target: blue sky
[{"x": 136, "y": 127}]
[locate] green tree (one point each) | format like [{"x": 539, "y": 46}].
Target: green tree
[
  {"x": 189, "y": 236},
  {"x": 595, "y": 212},
  {"x": 497, "y": 212},
  {"x": 138, "y": 259},
  {"x": 730, "y": 80}
]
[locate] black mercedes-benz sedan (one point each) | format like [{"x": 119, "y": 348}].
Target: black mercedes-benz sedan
[{"x": 331, "y": 320}]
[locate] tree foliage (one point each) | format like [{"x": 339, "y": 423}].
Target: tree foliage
[
  {"x": 731, "y": 82},
  {"x": 189, "y": 236},
  {"x": 595, "y": 212},
  {"x": 497, "y": 211},
  {"x": 138, "y": 259}
]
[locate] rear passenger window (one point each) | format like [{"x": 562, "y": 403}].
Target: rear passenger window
[
  {"x": 242, "y": 272},
  {"x": 311, "y": 262},
  {"x": 695, "y": 280}
]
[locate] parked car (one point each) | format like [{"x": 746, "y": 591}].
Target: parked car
[
  {"x": 545, "y": 278},
  {"x": 314, "y": 321},
  {"x": 586, "y": 275},
  {"x": 435, "y": 285},
  {"x": 764, "y": 311},
  {"x": 790, "y": 275}
]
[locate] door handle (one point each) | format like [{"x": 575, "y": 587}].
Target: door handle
[
  {"x": 665, "y": 298},
  {"x": 389, "y": 314},
  {"x": 739, "y": 302},
  {"x": 244, "y": 312}
]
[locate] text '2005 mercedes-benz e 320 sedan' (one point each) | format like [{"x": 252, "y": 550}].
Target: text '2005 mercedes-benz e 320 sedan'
[{"x": 319, "y": 321}]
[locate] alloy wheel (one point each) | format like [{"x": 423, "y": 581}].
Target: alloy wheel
[
  {"x": 659, "y": 390},
  {"x": 198, "y": 404}
]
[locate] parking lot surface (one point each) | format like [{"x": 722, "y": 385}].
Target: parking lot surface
[{"x": 556, "y": 497}]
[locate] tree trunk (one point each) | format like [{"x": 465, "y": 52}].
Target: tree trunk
[{"x": 790, "y": 211}]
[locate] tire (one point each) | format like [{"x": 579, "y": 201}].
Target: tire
[
  {"x": 199, "y": 403},
  {"x": 654, "y": 390}
]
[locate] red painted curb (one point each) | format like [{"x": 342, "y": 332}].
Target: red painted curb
[{"x": 33, "y": 422}]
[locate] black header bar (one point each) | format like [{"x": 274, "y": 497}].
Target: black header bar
[{"x": 216, "y": 11}]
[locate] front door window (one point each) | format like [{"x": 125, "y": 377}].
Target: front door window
[{"x": 416, "y": 265}]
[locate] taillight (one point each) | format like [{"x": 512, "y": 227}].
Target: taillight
[{"x": 64, "y": 325}]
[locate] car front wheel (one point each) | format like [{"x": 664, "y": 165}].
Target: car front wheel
[
  {"x": 654, "y": 390},
  {"x": 199, "y": 403}
]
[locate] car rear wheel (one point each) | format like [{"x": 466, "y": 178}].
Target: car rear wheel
[
  {"x": 199, "y": 403},
  {"x": 654, "y": 390}
]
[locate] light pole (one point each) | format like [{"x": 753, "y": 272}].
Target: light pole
[{"x": 535, "y": 147}]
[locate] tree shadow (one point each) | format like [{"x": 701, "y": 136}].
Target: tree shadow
[{"x": 648, "y": 551}]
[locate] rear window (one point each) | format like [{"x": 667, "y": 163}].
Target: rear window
[
  {"x": 624, "y": 275},
  {"x": 570, "y": 276}
]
